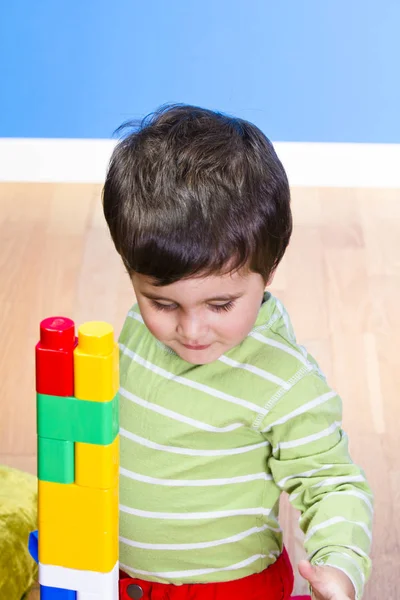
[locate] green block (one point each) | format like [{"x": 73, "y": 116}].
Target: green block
[
  {"x": 67, "y": 418},
  {"x": 56, "y": 460}
]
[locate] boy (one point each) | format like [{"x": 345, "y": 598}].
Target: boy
[{"x": 221, "y": 409}]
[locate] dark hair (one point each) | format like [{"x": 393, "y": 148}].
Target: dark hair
[{"x": 191, "y": 192}]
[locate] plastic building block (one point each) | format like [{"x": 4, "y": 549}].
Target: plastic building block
[
  {"x": 56, "y": 460},
  {"x": 78, "y": 549},
  {"x": 97, "y": 466},
  {"x": 33, "y": 545},
  {"x": 78, "y": 466},
  {"x": 88, "y": 596},
  {"x": 76, "y": 507},
  {"x": 54, "y": 357},
  {"x": 52, "y": 593},
  {"x": 82, "y": 581},
  {"x": 96, "y": 364},
  {"x": 66, "y": 418},
  {"x": 78, "y": 526}
]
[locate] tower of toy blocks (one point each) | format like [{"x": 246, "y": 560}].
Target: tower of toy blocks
[{"x": 77, "y": 382}]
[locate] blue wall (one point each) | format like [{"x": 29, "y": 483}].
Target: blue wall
[{"x": 303, "y": 70}]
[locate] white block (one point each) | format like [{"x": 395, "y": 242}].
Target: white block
[
  {"x": 96, "y": 596},
  {"x": 89, "y": 584}
]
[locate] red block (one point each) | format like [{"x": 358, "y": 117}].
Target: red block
[{"x": 55, "y": 357}]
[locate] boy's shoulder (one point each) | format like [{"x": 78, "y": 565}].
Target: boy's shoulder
[
  {"x": 274, "y": 341},
  {"x": 294, "y": 374}
]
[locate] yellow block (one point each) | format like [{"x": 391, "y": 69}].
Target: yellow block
[
  {"x": 73, "y": 548},
  {"x": 96, "y": 363},
  {"x": 97, "y": 466},
  {"x": 86, "y": 509}
]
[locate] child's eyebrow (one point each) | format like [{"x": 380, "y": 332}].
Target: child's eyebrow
[{"x": 222, "y": 298}]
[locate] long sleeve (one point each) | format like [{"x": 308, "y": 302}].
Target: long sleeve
[{"x": 311, "y": 462}]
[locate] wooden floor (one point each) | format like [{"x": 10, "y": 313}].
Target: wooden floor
[{"x": 340, "y": 281}]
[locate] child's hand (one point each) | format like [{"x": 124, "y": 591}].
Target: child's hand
[{"x": 327, "y": 583}]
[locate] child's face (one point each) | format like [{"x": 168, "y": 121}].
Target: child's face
[{"x": 198, "y": 312}]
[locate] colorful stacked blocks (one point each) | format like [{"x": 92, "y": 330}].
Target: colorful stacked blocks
[{"x": 77, "y": 384}]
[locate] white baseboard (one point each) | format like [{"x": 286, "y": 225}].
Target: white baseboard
[
  {"x": 307, "y": 164},
  {"x": 54, "y": 160}
]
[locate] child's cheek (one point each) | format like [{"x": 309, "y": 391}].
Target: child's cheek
[{"x": 158, "y": 326}]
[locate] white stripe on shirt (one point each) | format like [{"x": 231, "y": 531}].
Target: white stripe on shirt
[
  {"x": 340, "y": 479},
  {"x": 212, "y": 515},
  {"x": 302, "y": 409},
  {"x": 194, "y": 482},
  {"x": 189, "y": 451},
  {"x": 256, "y": 370},
  {"x": 136, "y": 316},
  {"x": 283, "y": 481},
  {"x": 355, "y": 549},
  {"x": 194, "y": 572},
  {"x": 176, "y": 416},
  {"x": 355, "y": 493},
  {"x": 287, "y": 349},
  {"x": 198, "y": 545},
  {"x": 334, "y": 521},
  {"x": 285, "y": 318},
  {"x": 309, "y": 438}
]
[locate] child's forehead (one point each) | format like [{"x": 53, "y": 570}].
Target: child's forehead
[
  {"x": 210, "y": 287},
  {"x": 209, "y": 281}
]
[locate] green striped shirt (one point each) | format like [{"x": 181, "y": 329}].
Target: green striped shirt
[{"x": 206, "y": 451}]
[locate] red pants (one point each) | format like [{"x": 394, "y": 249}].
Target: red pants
[{"x": 275, "y": 583}]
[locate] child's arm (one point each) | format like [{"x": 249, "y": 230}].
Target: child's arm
[{"x": 310, "y": 461}]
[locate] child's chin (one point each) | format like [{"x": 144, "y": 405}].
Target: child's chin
[
  {"x": 199, "y": 357},
  {"x": 199, "y": 361}
]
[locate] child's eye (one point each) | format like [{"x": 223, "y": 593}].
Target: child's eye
[
  {"x": 216, "y": 307},
  {"x": 162, "y": 306},
  {"x": 219, "y": 307}
]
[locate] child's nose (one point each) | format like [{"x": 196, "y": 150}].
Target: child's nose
[{"x": 191, "y": 328}]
